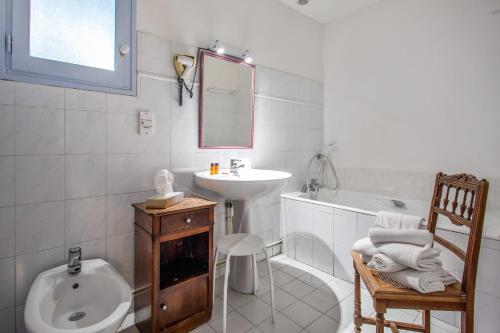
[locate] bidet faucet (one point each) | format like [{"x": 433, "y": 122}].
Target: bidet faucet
[
  {"x": 74, "y": 260},
  {"x": 235, "y": 165}
]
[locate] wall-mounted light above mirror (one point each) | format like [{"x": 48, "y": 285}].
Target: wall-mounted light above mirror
[{"x": 227, "y": 98}]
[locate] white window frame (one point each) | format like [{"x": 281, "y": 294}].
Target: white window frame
[{"x": 16, "y": 64}]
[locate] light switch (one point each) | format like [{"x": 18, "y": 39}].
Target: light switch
[{"x": 145, "y": 123}]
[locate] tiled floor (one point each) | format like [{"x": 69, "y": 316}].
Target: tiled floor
[{"x": 307, "y": 300}]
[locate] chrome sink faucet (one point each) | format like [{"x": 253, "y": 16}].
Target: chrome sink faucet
[
  {"x": 235, "y": 165},
  {"x": 74, "y": 260}
]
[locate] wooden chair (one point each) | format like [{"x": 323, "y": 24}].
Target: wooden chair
[{"x": 468, "y": 203}]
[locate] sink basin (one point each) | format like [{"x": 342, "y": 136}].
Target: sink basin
[
  {"x": 249, "y": 184},
  {"x": 96, "y": 300}
]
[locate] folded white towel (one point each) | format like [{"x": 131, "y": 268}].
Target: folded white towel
[
  {"x": 390, "y": 220},
  {"x": 423, "y": 282},
  {"x": 382, "y": 263},
  {"x": 422, "y": 258},
  {"x": 413, "y": 256},
  {"x": 415, "y": 237}
]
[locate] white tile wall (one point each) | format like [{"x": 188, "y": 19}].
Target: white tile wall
[
  {"x": 72, "y": 162},
  {"x": 85, "y": 132},
  {"x": 39, "y": 178},
  {"x": 82, "y": 100},
  {"x": 8, "y": 320},
  {"x": 7, "y": 130},
  {"x": 39, "y": 131},
  {"x": 39, "y": 96},
  {"x": 39, "y": 226},
  {"x": 7, "y": 231},
  {"x": 7, "y": 92},
  {"x": 85, "y": 219},
  {"x": 7, "y": 181},
  {"x": 7, "y": 285},
  {"x": 84, "y": 175}
]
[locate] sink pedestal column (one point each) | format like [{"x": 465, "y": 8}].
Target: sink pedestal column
[{"x": 241, "y": 275}]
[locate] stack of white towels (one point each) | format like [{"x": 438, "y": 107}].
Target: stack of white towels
[{"x": 404, "y": 253}]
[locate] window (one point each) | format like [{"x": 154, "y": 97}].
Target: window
[{"x": 87, "y": 44}]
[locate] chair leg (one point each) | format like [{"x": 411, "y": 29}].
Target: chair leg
[
  {"x": 255, "y": 274},
  {"x": 271, "y": 284},
  {"x": 426, "y": 321},
  {"x": 224, "y": 301},
  {"x": 357, "y": 302},
  {"x": 216, "y": 257},
  {"x": 379, "y": 322},
  {"x": 467, "y": 325}
]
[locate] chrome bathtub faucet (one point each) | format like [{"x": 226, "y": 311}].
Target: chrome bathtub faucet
[
  {"x": 314, "y": 186},
  {"x": 74, "y": 260}
]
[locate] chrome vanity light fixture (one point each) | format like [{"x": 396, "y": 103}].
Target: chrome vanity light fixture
[
  {"x": 217, "y": 47},
  {"x": 246, "y": 57},
  {"x": 220, "y": 48}
]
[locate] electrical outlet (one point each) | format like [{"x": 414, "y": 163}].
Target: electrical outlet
[{"x": 145, "y": 123}]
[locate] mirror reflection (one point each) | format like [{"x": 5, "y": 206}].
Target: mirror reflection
[{"x": 226, "y": 102}]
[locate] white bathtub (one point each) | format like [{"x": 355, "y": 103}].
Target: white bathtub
[
  {"x": 321, "y": 233},
  {"x": 370, "y": 204}
]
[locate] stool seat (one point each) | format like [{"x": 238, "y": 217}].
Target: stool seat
[{"x": 240, "y": 244}]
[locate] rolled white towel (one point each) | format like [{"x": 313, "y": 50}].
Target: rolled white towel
[
  {"x": 423, "y": 282},
  {"x": 407, "y": 236},
  {"x": 390, "y": 220},
  {"x": 446, "y": 277},
  {"x": 365, "y": 247},
  {"x": 382, "y": 263},
  {"x": 413, "y": 256}
]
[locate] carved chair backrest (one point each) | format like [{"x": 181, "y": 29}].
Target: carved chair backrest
[{"x": 462, "y": 199}]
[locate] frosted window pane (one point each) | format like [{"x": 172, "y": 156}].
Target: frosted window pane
[{"x": 80, "y": 32}]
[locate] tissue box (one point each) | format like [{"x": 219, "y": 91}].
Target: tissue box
[{"x": 158, "y": 202}]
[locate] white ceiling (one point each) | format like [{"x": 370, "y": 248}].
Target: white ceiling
[{"x": 325, "y": 11}]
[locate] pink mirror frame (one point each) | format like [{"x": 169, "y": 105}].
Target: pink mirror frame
[{"x": 204, "y": 53}]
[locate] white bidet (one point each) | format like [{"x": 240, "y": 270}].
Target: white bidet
[{"x": 95, "y": 300}]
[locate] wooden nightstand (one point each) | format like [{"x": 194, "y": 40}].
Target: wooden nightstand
[{"x": 173, "y": 266}]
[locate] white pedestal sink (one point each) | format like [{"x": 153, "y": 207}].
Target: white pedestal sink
[
  {"x": 243, "y": 188},
  {"x": 96, "y": 300}
]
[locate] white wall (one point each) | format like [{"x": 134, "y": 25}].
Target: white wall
[
  {"x": 277, "y": 36},
  {"x": 414, "y": 86}
]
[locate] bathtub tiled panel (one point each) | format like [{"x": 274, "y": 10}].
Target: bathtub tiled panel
[
  {"x": 79, "y": 153},
  {"x": 299, "y": 220}
]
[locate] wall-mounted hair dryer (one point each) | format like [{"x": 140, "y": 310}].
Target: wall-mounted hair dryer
[{"x": 184, "y": 65}]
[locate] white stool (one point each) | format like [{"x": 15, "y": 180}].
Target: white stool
[{"x": 239, "y": 245}]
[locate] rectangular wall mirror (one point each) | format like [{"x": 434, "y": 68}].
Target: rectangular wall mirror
[{"x": 226, "y": 101}]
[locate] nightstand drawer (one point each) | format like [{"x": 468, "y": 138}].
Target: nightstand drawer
[{"x": 184, "y": 221}]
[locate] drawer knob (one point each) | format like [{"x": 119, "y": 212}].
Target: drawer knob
[
  {"x": 163, "y": 307},
  {"x": 188, "y": 220}
]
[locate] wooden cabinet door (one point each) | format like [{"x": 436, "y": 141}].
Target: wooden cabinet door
[{"x": 183, "y": 300}]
